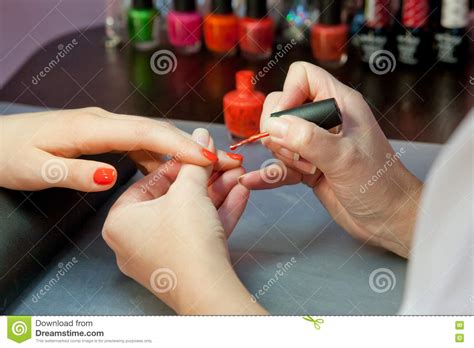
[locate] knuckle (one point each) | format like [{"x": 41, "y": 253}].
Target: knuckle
[
  {"x": 352, "y": 155},
  {"x": 122, "y": 266},
  {"x": 306, "y": 137},
  {"x": 80, "y": 119},
  {"x": 164, "y": 124},
  {"x": 95, "y": 110},
  {"x": 273, "y": 96},
  {"x": 108, "y": 234},
  {"x": 144, "y": 129},
  {"x": 296, "y": 65},
  {"x": 358, "y": 95}
]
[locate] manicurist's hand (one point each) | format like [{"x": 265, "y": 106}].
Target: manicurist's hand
[
  {"x": 340, "y": 168},
  {"x": 39, "y": 150},
  {"x": 169, "y": 232}
]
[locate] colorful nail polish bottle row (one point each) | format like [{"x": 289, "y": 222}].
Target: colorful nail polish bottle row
[
  {"x": 223, "y": 30},
  {"x": 421, "y": 33}
]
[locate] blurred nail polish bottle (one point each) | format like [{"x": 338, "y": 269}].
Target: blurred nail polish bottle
[
  {"x": 256, "y": 31},
  {"x": 374, "y": 36},
  {"x": 221, "y": 28},
  {"x": 450, "y": 40},
  {"x": 329, "y": 37},
  {"x": 116, "y": 13},
  {"x": 243, "y": 106},
  {"x": 413, "y": 42},
  {"x": 143, "y": 24},
  {"x": 184, "y": 27}
]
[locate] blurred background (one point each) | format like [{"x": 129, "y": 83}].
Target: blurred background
[{"x": 412, "y": 60}]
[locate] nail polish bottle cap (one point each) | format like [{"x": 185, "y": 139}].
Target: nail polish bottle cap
[
  {"x": 184, "y": 6},
  {"x": 143, "y": 4},
  {"x": 243, "y": 80},
  {"x": 257, "y": 8},
  {"x": 455, "y": 14},
  {"x": 415, "y": 13},
  {"x": 222, "y": 7},
  {"x": 377, "y": 13},
  {"x": 323, "y": 113},
  {"x": 330, "y": 12}
]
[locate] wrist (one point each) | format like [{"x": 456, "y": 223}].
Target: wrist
[
  {"x": 217, "y": 293},
  {"x": 399, "y": 226}
]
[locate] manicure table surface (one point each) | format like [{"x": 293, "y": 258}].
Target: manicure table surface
[{"x": 327, "y": 272}]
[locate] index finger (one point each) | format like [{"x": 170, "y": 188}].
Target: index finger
[
  {"x": 305, "y": 82},
  {"x": 98, "y": 134}
]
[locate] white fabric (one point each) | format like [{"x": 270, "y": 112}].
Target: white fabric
[{"x": 440, "y": 276}]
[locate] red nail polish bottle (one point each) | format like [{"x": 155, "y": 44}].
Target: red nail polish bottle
[
  {"x": 329, "y": 37},
  {"x": 256, "y": 31},
  {"x": 243, "y": 106},
  {"x": 221, "y": 28},
  {"x": 414, "y": 39}
]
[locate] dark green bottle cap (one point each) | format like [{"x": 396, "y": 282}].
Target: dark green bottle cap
[{"x": 142, "y": 4}]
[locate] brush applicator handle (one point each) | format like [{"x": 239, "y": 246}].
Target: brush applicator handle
[{"x": 323, "y": 113}]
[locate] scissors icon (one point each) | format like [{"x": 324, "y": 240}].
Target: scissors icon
[{"x": 316, "y": 322}]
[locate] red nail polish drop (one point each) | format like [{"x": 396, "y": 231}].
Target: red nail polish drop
[{"x": 243, "y": 106}]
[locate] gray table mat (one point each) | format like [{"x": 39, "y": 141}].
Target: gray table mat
[{"x": 330, "y": 275}]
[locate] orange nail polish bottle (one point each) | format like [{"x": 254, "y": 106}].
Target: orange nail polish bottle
[
  {"x": 243, "y": 106},
  {"x": 221, "y": 28},
  {"x": 329, "y": 36}
]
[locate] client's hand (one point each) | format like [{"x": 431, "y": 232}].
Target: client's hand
[
  {"x": 355, "y": 173},
  {"x": 39, "y": 150},
  {"x": 169, "y": 232}
]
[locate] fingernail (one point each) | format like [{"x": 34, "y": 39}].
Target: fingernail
[
  {"x": 235, "y": 156},
  {"x": 211, "y": 156},
  {"x": 276, "y": 126},
  {"x": 305, "y": 166},
  {"x": 104, "y": 176},
  {"x": 239, "y": 179},
  {"x": 201, "y": 136},
  {"x": 289, "y": 154}
]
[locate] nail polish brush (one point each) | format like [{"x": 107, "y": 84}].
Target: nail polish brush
[{"x": 323, "y": 113}]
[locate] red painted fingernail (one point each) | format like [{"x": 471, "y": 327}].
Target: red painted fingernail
[
  {"x": 104, "y": 176},
  {"x": 211, "y": 156},
  {"x": 235, "y": 156}
]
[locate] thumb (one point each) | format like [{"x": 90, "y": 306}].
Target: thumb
[{"x": 193, "y": 174}]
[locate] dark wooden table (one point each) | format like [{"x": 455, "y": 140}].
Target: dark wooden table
[{"x": 424, "y": 104}]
